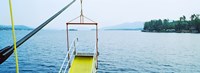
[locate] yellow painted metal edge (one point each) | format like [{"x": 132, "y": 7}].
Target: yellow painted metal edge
[{"x": 94, "y": 64}]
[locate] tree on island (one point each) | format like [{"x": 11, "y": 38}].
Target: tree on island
[{"x": 181, "y": 25}]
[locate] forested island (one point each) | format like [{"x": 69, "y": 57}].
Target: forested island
[
  {"x": 17, "y": 27},
  {"x": 180, "y": 26}
]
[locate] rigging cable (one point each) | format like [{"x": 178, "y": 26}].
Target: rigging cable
[
  {"x": 81, "y": 16},
  {"x": 14, "y": 37},
  {"x": 7, "y": 51}
]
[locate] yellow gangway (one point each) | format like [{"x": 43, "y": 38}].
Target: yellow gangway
[
  {"x": 75, "y": 62},
  {"x": 83, "y": 64},
  {"x": 80, "y": 62}
]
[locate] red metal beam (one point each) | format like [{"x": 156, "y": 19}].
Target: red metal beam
[
  {"x": 68, "y": 41},
  {"x": 81, "y": 23},
  {"x": 96, "y": 24}
]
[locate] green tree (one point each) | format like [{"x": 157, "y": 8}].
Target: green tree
[
  {"x": 181, "y": 25},
  {"x": 193, "y": 17},
  {"x": 166, "y": 24}
]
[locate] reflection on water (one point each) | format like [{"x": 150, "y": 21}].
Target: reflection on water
[{"x": 120, "y": 51}]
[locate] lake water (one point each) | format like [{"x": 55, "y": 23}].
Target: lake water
[{"x": 120, "y": 51}]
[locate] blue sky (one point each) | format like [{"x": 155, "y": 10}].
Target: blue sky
[{"x": 105, "y": 12}]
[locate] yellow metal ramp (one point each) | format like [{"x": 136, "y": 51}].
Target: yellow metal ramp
[{"x": 82, "y": 64}]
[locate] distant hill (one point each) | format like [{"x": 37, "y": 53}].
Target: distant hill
[
  {"x": 73, "y": 29},
  {"x": 126, "y": 26},
  {"x": 17, "y": 27}
]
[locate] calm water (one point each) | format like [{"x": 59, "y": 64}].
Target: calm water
[{"x": 120, "y": 51}]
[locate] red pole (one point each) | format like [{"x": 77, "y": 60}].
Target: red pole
[
  {"x": 97, "y": 52},
  {"x": 67, "y": 40},
  {"x": 97, "y": 39}
]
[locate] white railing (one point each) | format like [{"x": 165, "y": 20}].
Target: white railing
[
  {"x": 71, "y": 53},
  {"x": 94, "y": 64}
]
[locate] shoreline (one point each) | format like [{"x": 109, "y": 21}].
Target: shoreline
[{"x": 167, "y": 32}]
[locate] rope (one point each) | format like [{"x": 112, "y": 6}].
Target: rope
[
  {"x": 73, "y": 19},
  {"x": 89, "y": 19},
  {"x": 81, "y": 16},
  {"x": 14, "y": 37},
  {"x": 81, "y": 7}
]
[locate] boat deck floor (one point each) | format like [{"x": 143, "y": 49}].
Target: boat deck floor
[{"x": 81, "y": 64}]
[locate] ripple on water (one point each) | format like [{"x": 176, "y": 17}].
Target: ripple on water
[{"x": 126, "y": 52}]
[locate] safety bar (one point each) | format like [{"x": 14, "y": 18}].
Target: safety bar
[
  {"x": 67, "y": 61},
  {"x": 95, "y": 63}
]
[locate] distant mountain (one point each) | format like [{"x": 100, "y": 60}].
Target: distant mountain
[
  {"x": 17, "y": 27},
  {"x": 126, "y": 26}
]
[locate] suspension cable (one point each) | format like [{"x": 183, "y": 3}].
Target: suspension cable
[
  {"x": 14, "y": 37},
  {"x": 81, "y": 7},
  {"x": 81, "y": 16},
  {"x": 7, "y": 51}
]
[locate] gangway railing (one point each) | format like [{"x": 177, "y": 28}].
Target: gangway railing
[
  {"x": 69, "y": 56},
  {"x": 94, "y": 63}
]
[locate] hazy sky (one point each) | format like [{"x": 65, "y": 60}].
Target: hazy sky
[{"x": 106, "y": 12}]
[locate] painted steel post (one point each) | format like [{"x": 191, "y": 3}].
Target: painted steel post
[{"x": 68, "y": 43}]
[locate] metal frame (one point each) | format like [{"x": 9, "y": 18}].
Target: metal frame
[{"x": 67, "y": 27}]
